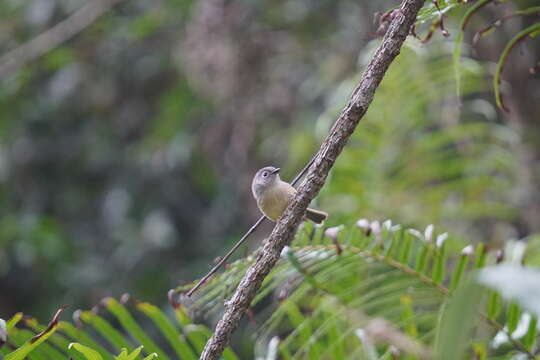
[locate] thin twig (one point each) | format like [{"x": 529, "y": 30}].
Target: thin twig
[
  {"x": 52, "y": 38},
  {"x": 244, "y": 238},
  {"x": 316, "y": 176},
  {"x": 222, "y": 261}
]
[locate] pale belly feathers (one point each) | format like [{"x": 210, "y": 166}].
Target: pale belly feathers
[{"x": 274, "y": 201}]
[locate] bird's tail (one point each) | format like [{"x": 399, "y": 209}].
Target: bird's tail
[{"x": 316, "y": 216}]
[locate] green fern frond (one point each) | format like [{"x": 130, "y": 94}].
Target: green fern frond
[
  {"x": 414, "y": 157},
  {"x": 321, "y": 300},
  {"x": 115, "y": 334}
]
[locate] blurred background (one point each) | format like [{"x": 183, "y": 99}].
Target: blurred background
[{"x": 127, "y": 151}]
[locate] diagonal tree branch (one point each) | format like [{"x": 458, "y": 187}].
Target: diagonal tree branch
[{"x": 402, "y": 20}]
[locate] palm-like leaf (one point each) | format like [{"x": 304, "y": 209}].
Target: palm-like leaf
[
  {"x": 420, "y": 157},
  {"x": 99, "y": 337},
  {"x": 326, "y": 298},
  {"x": 323, "y": 300}
]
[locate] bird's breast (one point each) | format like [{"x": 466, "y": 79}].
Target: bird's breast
[{"x": 275, "y": 199}]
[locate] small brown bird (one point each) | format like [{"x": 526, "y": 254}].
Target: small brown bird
[{"x": 273, "y": 195}]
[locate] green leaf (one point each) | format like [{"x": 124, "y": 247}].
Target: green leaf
[
  {"x": 88, "y": 352},
  {"x": 421, "y": 259},
  {"x": 457, "y": 322},
  {"x": 512, "y": 317},
  {"x": 175, "y": 338},
  {"x": 309, "y": 277},
  {"x": 480, "y": 256},
  {"x": 480, "y": 351},
  {"x": 408, "y": 317},
  {"x": 44, "y": 351},
  {"x": 530, "y": 31},
  {"x": 125, "y": 356},
  {"x": 34, "y": 342},
  {"x": 439, "y": 265},
  {"x": 13, "y": 321},
  {"x": 458, "y": 43},
  {"x": 112, "y": 335},
  {"x": 56, "y": 339},
  {"x": 494, "y": 306},
  {"x": 131, "y": 326},
  {"x": 80, "y": 336},
  {"x": 458, "y": 271},
  {"x": 456, "y": 57},
  {"x": 296, "y": 264},
  {"x": 405, "y": 251},
  {"x": 19, "y": 337},
  {"x": 530, "y": 336}
]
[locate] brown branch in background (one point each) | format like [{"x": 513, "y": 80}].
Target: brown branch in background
[
  {"x": 243, "y": 239},
  {"x": 535, "y": 10},
  {"x": 330, "y": 149},
  {"x": 52, "y": 38}
]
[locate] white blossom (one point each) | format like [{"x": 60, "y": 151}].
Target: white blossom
[
  {"x": 363, "y": 224},
  {"x": 467, "y": 250},
  {"x": 333, "y": 232},
  {"x": 428, "y": 233},
  {"x": 416, "y": 233},
  {"x": 441, "y": 238},
  {"x": 285, "y": 251},
  {"x": 376, "y": 227}
]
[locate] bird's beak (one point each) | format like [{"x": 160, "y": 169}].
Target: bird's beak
[{"x": 276, "y": 171}]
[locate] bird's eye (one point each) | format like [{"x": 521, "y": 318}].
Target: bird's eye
[{"x": 265, "y": 174}]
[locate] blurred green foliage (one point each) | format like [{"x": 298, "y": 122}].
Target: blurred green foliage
[
  {"x": 126, "y": 154},
  {"x": 403, "y": 161}
]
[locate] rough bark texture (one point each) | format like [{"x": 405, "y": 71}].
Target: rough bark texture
[{"x": 283, "y": 232}]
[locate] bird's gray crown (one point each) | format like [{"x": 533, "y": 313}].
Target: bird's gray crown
[{"x": 263, "y": 178}]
